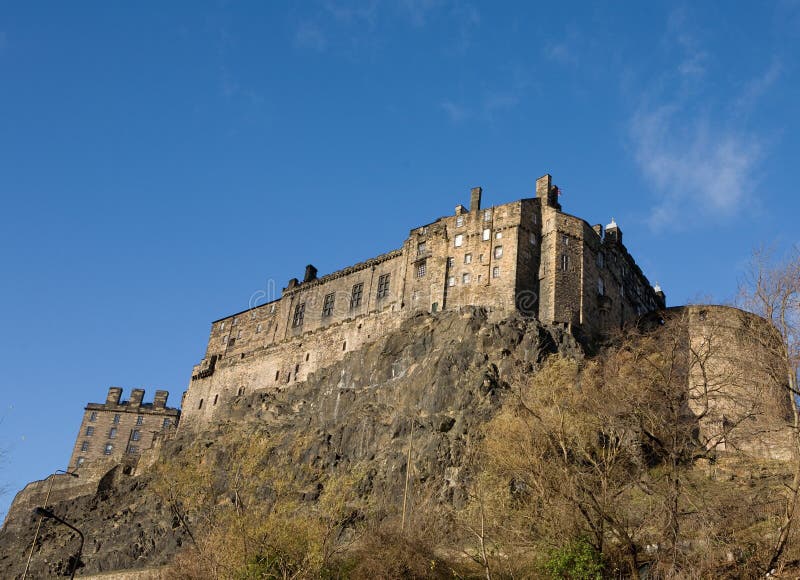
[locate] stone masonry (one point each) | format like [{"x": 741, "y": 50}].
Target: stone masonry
[
  {"x": 117, "y": 430},
  {"x": 526, "y": 255}
]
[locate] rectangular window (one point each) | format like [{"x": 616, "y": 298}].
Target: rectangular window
[
  {"x": 459, "y": 221},
  {"x": 451, "y": 281},
  {"x": 480, "y": 258},
  {"x": 435, "y": 307},
  {"x": 564, "y": 262},
  {"x": 89, "y": 431},
  {"x": 535, "y": 219},
  {"x": 80, "y": 461},
  {"x": 108, "y": 449},
  {"x": 601, "y": 287},
  {"x": 93, "y": 416},
  {"x": 465, "y": 277},
  {"x": 487, "y": 233},
  {"x": 498, "y": 235},
  {"x": 327, "y": 305},
  {"x": 133, "y": 449},
  {"x": 116, "y": 418},
  {"x": 451, "y": 262},
  {"x": 85, "y": 446},
  {"x": 166, "y": 424},
  {"x": 565, "y": 240},
  {"x": 533, "y": 239},
  {"x": 487, "y": 215},
  {"x": 299, "y": 314},
  {"x": 222, "y": 326},
  {"x": 139, "y": 420},
  {"x": 496, "y": 272},
  {"x": 258, "y": 328},
  {"x": 136, "y": 435},
  {"x": 234, "y": 321},
  {"x": 421, "y": 267},
  {"x": 113, "y": 433},
  {"x": 355, "y": 297},
  {"x": 421, "y": 248},
  {"x": 383, "y": 285},
  {"x": 459, "y": 240},
  {"x": 239, "y": 334},
  {"x": 498, "y": 251},
  {"x": 468, "y": 258},
  {"x": 601, "y": 260}
]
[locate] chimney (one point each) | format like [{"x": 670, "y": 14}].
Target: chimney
[
  {"x": 547, "y": 192},
  {"x": 661, "y": 296},
  {"x": 292, "y": 284},
  {"x": 160, "y": 400},
  {"x": 598, "y": 229},
  {"x": 613, "y": 233},
  {"x": 475, "y": 199},
  {"x": 136, "y": 397},
  {"x": 114, "y": 394},
  {"x": 311, "y": 274}
]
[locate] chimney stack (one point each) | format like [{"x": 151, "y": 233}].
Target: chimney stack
[
  {"x": 136, "y": 397},
  {"x": 160, "y": 400},
  {"x": 114, "y": 394},
  {"x": 311, "y": 273},
  {"x": 475, "y": 199}
]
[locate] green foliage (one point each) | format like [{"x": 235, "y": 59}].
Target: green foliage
[{"x": 578, "y": 560}]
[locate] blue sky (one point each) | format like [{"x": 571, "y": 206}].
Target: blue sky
[{"x": 162, "y": 162}]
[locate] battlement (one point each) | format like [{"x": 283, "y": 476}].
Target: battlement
[{"x": 525, "y": 255}]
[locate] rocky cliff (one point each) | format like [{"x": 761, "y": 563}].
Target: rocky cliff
[{"x": 443, "y": 374}]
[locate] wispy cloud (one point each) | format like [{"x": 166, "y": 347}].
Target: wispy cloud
[
  {"x": 698, "y": 171},
  {"x": 560, "y": 53},
  {"x": 455, "y": 113},
  {"x": 700, "y": 160}
]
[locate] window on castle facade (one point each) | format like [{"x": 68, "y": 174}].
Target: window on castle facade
[
  {"x": 451, "y": 281},
  {"x": 421, "y": 268},
  {"x": 222, "y": 326},
  {"x": 601, "y": 260},
  {"x": 565, "y": 240},
  {"x": 498, "y": 235},
  {"x": 93, "y": 416},
  {"x": 80, "y": 461},
  {"x": 487, "y": 215},
  {"x": 166, "y": 424},
  {"x": 327, "y": 305},
  {"x": 139, "y": 420},
  {"x": 487, "y": 234},
  {"x": 496, "y": 272},
  {"x": 113, "y": 433},
  {"x": 116, "y": 418},
  {"x": 498, "y": 251},
  {"x": 451, "y": 262},
  {"x": 299, "y": 314},
  {"x": 133, "y": 449},
  {"x": 383, "y": 285},
  {"x": 459, "y": 221},
  {"x": 564, "y": 262},
  {"x": 421, "y": 248},
  {"x": 234, "y": 321},
  {"x": 601, "y": 287},
  {"x": 355, "y": 297},
  {"x": 459, "y": 240},
  {"x": 465, "y": 277},
  {"x": 468, "y": 258},
  {"x": 85, "y": 446},
  {"x": 258, "y": 328},
  {"x": 533, "y": 239},
  {"x": 89, "y": 431},
  {"x": 136, "y": 435},
  {"x": 239, "y": 334},
  {"x": 108, "y": 449}
]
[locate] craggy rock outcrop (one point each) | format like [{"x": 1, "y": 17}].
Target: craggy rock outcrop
[{"x": 447, "y": 373}]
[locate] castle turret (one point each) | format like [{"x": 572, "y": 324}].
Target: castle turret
[{"x": 613, "y": 233}]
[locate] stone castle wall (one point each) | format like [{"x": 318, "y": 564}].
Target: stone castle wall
[{"x": 526, "y": 255}]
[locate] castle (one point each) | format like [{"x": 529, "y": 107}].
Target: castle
[{"x": 526, "y": 255}]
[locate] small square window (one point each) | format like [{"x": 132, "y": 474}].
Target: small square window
[
  {"x": 468, "y": 258},
  {"x": 465, "y": 277},
  {"x": 355, "y": 296},
  {"x": 85, "y": 446},
  {"x": 93, "y": 416},
  {"x": 166, "y": 424},
  {"x": 327, "y": 305},
  {"x": 139, "y": 420},
  {"x": 496, "y": 272},
  {"x": 459, "y": 240},
  {"x": 113, "y": 433},
  {"x": 498, "y": 251},
  {"x": 136, "y": 435},
  {"x": 116, "y": 418},
  {"x": 435, "y": 307},
  {"x": 108, "y": 449},
  {"x": 487, "y": 234},
  {"x": 89, "y": 431},
  {"x": 459, "y": 221},
  {"x": 451, "y": 281},
  {"x": 498, "y": 235},
  {"x": 421, "y": 268},
  {"x": 133, "y": 449}
]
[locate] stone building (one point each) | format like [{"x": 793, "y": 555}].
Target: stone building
[
  {"x": 117, "y": 430},
  {"x": 526, "y": 255}
]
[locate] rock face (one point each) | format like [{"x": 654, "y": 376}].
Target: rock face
[{"x": 445, "y": 374}]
